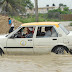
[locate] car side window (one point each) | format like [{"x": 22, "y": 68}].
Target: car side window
[
  {"x": 46, "y": 31},
  {"x": 25, "y": 32}
]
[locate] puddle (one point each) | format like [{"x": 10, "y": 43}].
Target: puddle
[{"x": 36, "y": 63}]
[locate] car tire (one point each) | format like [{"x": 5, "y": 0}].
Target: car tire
[
  {"x": 1, "y": 52},
  {"x": 60, "y": 50}
]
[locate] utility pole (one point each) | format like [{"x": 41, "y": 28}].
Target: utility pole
[{"x": 36, "y": 10}]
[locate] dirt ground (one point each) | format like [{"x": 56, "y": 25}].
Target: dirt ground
[{"x": 4, "y": 27}]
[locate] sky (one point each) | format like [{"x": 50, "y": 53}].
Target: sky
[{"x": 43, "y": 3}]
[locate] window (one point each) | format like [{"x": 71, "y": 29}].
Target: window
[
  {"x": 64, "y": 29},
  {"x": 46, "y": 31},
  {"x": 25, "y": 32}
]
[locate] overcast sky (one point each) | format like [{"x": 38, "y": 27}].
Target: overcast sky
[{"x": 43, "y": 3}]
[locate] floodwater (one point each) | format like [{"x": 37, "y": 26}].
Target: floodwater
[{"x": 36, "y": 63}]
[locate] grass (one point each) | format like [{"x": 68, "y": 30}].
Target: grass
[
  {"x": 70, "y": 24},
  {"x": 24, "y": 20},
  {"x": 32, "y": 19}
]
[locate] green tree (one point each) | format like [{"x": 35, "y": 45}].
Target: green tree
[
  {"x": 60, "y": 4},
  {"x": 56, "y": 12},
  {"x": 66, "y": 9},
  {"x": 15, "y": 6}
]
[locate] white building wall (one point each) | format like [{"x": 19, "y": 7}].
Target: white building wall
[{"x": 41, "y": 10}]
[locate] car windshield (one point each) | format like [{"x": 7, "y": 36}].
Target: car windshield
[
  {"x": 64, "y": 29},
  {"x": 13, "y": 31}
]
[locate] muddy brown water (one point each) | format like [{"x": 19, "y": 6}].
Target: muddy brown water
[{"x": 36, "y": 63}]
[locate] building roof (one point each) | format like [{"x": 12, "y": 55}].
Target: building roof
[
  {"x": 42, "y": 7},
  {"x": 41, "y": 23}
]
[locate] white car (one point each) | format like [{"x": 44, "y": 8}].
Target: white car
[{"x": 37, "y": 38}]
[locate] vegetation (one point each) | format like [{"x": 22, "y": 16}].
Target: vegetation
[
  {"x": 70, "y": 24},
  {"x": 55, "y": 14},
  {"x": 65, "y": 11},
  {"x": 15, "y": 6},
  {"x": 62, "y": 5},
  {"x": 31, "y": 18}
]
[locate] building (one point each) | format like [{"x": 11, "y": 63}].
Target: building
[{"x": 41, "y": 10}]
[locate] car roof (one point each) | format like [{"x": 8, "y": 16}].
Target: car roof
[{"x": 41, "y": 23}]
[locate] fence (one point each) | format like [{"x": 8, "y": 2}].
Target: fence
[{"x": 65, "y": 16}]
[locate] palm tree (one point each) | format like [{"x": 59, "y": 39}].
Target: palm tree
[{"x": 15, "y": 6}]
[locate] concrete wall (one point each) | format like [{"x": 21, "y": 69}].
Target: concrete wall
[{"x": 66, "y": 16}]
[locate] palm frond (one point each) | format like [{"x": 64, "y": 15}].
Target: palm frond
[{"x": 15, "y": 5}]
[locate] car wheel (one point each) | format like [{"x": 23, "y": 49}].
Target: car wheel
[
  {"x": 60, "y": 50},
  {"x": 1, "y": 52}
]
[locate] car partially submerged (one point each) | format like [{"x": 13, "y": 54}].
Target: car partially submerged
[{"x": 37, "y": 38}]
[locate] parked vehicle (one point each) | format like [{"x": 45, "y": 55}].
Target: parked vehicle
[{"x": 37, "y": 38}]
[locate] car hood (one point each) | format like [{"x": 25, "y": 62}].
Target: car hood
[
  {"x": 3, "y": 36},
  {"x": 70, "y": 34}
]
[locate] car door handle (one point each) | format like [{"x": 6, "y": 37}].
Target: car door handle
[
  {"x": 30, "y": 40},
  {"x": 54, "y": 39}
]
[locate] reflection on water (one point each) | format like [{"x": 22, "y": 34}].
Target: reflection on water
[{"x": 36, "y": 63}]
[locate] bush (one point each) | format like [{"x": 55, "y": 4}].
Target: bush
[
  {"x": 70, "y": 24},
  {"x": 54, "y": 15},
  {"x": 24, "y": 20},
  {"x": 31, "y": 18}
]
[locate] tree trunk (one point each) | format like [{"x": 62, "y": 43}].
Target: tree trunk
[
  {"x": 36, "y": 10},
  {"x": 6, "y": 6}
]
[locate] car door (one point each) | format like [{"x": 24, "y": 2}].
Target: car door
[
  {"x": 20, "y": 45},
  {"x": 43, "y": 43}
]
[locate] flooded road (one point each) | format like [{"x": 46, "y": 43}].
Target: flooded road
[{"x": 36, "y": 63}]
